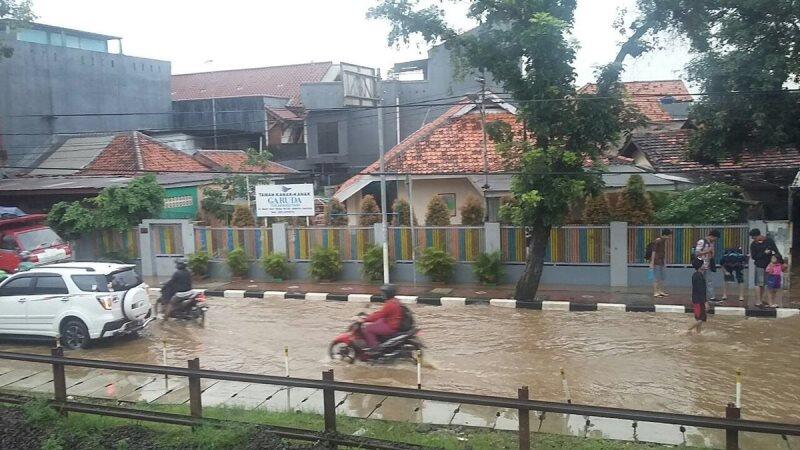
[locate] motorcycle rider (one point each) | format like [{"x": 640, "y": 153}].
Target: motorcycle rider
[
  {"x": 181, "y": 281},
  {"x": 385, "y": 321}
]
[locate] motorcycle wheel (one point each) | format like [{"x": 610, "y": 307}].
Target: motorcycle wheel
[{"x": 342, "y": 352}]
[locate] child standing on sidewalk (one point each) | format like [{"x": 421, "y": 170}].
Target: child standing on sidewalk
[
  {"x": 774, "y": 271},
  {"x": 699, "y": 295}
]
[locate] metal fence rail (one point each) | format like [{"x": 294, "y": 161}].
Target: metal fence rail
[{"x": 731, "y": 423}]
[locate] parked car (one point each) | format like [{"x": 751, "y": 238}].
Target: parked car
[
  {"x": 28, "y": 234},
  {"x": 75, "y": 301}
]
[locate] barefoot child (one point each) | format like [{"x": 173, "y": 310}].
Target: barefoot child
[
  {"x": 773, "y": 272},
  {"x": 699, "y": 292}
]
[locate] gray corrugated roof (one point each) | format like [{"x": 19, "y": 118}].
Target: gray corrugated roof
[{"x": 75, "y": 154}]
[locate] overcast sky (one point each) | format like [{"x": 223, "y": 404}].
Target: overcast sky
[{"x": 200, "y": 36}]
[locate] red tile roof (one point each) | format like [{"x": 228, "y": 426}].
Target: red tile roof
[
  {"x": 276, "y": 81},
  {"x": 450, "y": 144},
  {"x": 285, "y": 114},
  {"x": 135, "y": 152},
  {"x": 666, "y": 152},
  {"x": 646, "y": 95},
  {"x": 236, "y": 160}
]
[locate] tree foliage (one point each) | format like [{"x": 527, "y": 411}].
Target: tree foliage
[
  {"x": 335, "y": 214},
  {"x": 597, "y": 209},
  {"x": 370, "y": 212},
  {"x": 118, "y": 208},
  {"x": 402, "y": 213},
  {"x": 242, "y": 217},
  {"x": 748, "y": 58},
  {"x": 437, "y": 214},
  {"x": 710, "y": 204},
  {"x": 214, "y": 203},
  {"x": 634, "y": 205},
  {"x": 15, "y": 11},
  {"x": 472, "y": 211},
  {"x": 526, "y": 46}
]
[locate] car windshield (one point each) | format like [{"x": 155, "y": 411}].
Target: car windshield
[
  {"x": 91, "y": 283},
  {"x": 36, "y": 239},
  {"x": 124, "y": 279}
]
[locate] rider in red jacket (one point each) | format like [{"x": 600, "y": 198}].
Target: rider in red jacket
[{"x": 385, "y": 321}]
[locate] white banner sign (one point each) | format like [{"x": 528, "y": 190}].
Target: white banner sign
[{"x": 281, "y": 200}]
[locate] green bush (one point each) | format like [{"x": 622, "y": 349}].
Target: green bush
[
  {"x": 597, "y": 209},
  {"x": 335, "y": 214},
  {"x": 437, "y": 214},
  {"x": 436, "y": 264},
  {"x": 237, "y": 262},
  {"x": 712, "y": 203},
  {"x": 326, "y": 264},
  {"x": 373, "y": 263},
  {"x": 402, "y": 213},
  {"x": 276, "y": 265},
  {"x": 472, "y": 213},
  {"x": 243, "y": 217},
  {"x": 198, "y": 263},
  {"x": 634, "y": 205},
  {"x": 488, "y": 268},
  {"x": 370, "y": 212}
]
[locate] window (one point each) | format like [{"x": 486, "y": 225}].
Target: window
[
  {"x": 91, "y": 283},
  {"x": 50, "y": 285},
  {"x": 17, "y": 286},
  {"x": 72, "y": 41},
  {"x": 124, "y": 280},
  {"x": 328, "y": 138},
  {"x": 36, "y": 36},
  {"x": 41, "y": 238},
  {"x": 450, "y": 201},
  {"x": 9, "y": 243}
]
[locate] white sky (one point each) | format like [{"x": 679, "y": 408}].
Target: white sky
[{"x": 247, "y": 33}]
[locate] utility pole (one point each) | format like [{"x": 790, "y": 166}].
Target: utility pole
[
  {"x": 384, "y": 224},
  {"x": 214, "y": 120},
  {"x": 485, "y": 186}
]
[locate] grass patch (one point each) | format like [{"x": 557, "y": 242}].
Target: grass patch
[{"x": 91, "y": 432}]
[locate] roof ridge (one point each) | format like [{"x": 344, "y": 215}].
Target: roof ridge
[
  {"x": 255, "y": 68},
  {"x": 137, "y": 151}
]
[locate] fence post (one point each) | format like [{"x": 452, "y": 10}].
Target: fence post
[
  {"x": 329, "y": 405},
  {"x": 279, "y": 238},
  {"x": 59, "y": 379},
  {"x": 195, "y": 392},
  {"x": 491, "y": 237},
  {"x": 732, "y": 434},
  {"x": 619, "y": 254},
  {"x": 524, "y": 421},
  {"x": 377, "y": 231}
]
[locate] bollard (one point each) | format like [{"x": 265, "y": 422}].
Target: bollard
[
  {"x": 164, "y": 359},
  {"x": 738, "y": 389},
  {"x": 59, "y": 379},
  {"x": 286, "y": 359},
  {"x": 524, "y": 421},
  {"x": 565, "y": 384},
  {"x": 419, "y": 369},
  {"x": 195, "y": 391},
  {"x": 329, "y": 407},
  {"x": 732, "y": 434}
]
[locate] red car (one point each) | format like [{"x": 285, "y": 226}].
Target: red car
[{"x": 28, "y": 234}]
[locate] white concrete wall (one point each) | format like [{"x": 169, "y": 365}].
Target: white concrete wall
[{"x": 425, "y": 189}]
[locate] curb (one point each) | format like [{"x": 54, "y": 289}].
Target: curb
[{"x": 455, "y": 302}]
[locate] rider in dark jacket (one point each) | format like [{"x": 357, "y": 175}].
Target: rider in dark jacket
[{"x": 181, "y": 281}]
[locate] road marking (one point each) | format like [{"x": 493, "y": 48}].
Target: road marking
[
  {"x": 671, "y": 309},
  {"x": 233, "y": 293},
  {"x": 787, "y": 312},
  {"x": 359, "y": 298},
  {"x": 317, "y": 296},
  {"x": 274, "y": 295},
  {"x": 453, "y": 301},
  {"x": 407, "y": 299},
  {"x": 611, "y": 307},
  {"x": 729, "y": 311},
  {"x": 503, "y": 303},
  {"x": 555, "y": 306}
]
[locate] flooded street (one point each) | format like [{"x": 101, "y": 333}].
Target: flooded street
[{"x": 630, "y": 360}]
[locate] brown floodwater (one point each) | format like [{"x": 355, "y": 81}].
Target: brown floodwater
[{"x": 631, "y": 360}]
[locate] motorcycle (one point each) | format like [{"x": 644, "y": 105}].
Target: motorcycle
[
  {"x": 349, "y": 346},
  {"x": 192, "y": 306}
]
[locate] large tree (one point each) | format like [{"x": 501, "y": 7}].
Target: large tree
[
  {"x": 14, "y": 11},
  {"x": 527, "y": 47},
  {"x": 748, "y": 61}
]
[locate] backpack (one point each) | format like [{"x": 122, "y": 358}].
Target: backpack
[
  {"x": 648, "y": 251},
  {"x": 407, "y": 322},
  {"x": 732, "y": 258}
]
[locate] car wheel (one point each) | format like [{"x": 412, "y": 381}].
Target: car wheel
[{"x": 74, "y": 335}]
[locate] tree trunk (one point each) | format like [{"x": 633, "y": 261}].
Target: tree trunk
[{"x": 534, "y": 263}]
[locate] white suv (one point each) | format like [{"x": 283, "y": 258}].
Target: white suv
[{"x": 76, "y": 301}]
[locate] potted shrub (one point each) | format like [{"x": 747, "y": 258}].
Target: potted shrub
[
  {"x": 237, "y": 262},
  {"x": 436, "y": 264},
  {"x": 326, "y": 264},
  {"x": 276, "y": 265},
  {"x": 488, "y": 268},
  {"x": 373, "y": 263},
  {"x": 198, "y": 264}
]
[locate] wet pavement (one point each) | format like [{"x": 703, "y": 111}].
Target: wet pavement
[{"x": 641, "y": 361}]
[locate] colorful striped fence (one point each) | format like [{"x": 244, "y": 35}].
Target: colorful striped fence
[
  {"x": 351, "y": 242},
  {"x": 167, "y": 239},
  {"x": 462, "y": 243},
  {"x": 115, "y": 243},
  {"x": 217, "y": 242},
  {"x": 588, "y": 245},
  {"x": 683, "y": 239}
]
